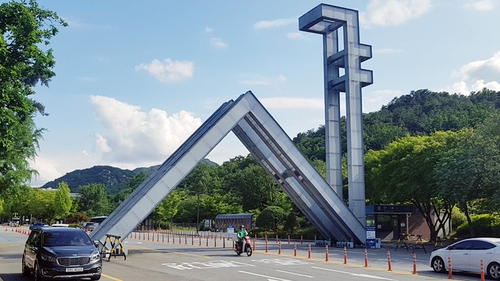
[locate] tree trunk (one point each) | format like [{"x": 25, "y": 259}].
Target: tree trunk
[{"x": 469, "y": 221}]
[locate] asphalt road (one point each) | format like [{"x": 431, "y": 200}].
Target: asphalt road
[{"x": 183, "y": 258}]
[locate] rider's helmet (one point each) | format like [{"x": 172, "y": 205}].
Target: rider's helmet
[{"x": 242, "y": 226}]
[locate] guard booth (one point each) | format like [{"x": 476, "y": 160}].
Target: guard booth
[
  {"x": 391, "y": 221},
  {"x": 224, "y": 220}
]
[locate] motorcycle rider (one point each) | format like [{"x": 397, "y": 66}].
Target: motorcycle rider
[{"x": 241, "y": 235}]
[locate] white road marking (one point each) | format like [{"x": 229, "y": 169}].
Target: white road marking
[
  {"x": 354, "y": 274},
  {"x": 269, "y": 278},
  {"x": 205, "y": 265},
  {"x": 282, "y": 261},
  {"x": 297, "y": 274}
]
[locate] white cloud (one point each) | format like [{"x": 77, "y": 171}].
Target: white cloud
[
  {"x": 373, "y": 101},
  {"x": 168, "y": 71},
  {"x": 132, "y": 138},
  {"x": 477, "y": 75},
  {"x": 273, "y": 23},
  {"x": 51, "y": 167},
  {"x": 263, "y": 81},
  {"x": 217, "y": 43},
  {"x": 208, "y": 29},
  {"x": 292, "y": 103},
  {"x": 481, "y": 5},
  {"x": 137, "y": 137},
  {"x": 296, "y": 35},
  {"x": 255, "y": 82},
  {"x": 393, "y": 12}
]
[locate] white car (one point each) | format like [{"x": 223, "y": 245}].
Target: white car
[{"x": 466, "y": 255}]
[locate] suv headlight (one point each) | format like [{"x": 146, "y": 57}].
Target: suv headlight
[
  {"x": 95, "y": 257},
  {"x": 48, "y": 258}
]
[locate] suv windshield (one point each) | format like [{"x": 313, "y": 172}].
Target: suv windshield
[{"x": 76, "y": 238}]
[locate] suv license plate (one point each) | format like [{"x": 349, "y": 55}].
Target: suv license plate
[{"x": 74, "y": 269}]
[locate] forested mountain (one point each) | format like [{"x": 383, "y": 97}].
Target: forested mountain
[
  {"x": 113, "y": 178},
  {"x": 418, "y": 113}
]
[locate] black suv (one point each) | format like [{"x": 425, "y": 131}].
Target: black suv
[{"x": 61, "y": 252}]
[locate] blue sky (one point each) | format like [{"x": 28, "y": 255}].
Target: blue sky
[{"x": 136, "y": 78}]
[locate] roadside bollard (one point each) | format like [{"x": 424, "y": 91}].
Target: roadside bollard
[
  {"x": 215, "y": 242},
  {"x": 326, "y": 252},
  {"x": 254, "y": 242},
  {"x": 294, "y": 249},
  {"x": 366, "y": 258},
  {"x": 277, "y": 240},
  {"x": 206, "y": 244},
  {"x": 267, "y": 248},
  {"x": 224, "y": 243},
  {"x": 192, "y": 239},
  {"x": 389, "y": 264},
  {"x": 414, "y": 264},
  {"x": 288, "y": 239},
  {"x": 199, "y": 240},
  {"x": 449, "y": 269},
  {"x": 309, "y": 251},
  {"x": 345, "y": 255},
  {"x": 279, "y": 248},
  {"x": 482, "y": 270}
]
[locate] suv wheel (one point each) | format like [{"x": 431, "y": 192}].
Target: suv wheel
[
  {"x": 38, "y": 273},
  {"x": 25, "y": 269}
]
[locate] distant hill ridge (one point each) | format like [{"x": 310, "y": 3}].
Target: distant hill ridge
[{"x": 115, "y": 179}]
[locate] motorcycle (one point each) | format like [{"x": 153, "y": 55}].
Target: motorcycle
[{"x": 246, "y": 245}]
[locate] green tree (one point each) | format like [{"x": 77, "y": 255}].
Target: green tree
[
  {"x": 93, "y": 200},
  {"x": 169, "y": 207},
  {"x": 131, "y": 185},
  {"x": 404, "y": 172},
  {"x": 41, "y": 204},
  {"x": 62, "y": 201},
  {"x": 25, "y": 29},
  {"x": 270, "y": 218}
]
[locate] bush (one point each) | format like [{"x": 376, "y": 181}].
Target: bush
[
  {"x": 485, "y": 225},
  {"x": 457, "y": 218}
]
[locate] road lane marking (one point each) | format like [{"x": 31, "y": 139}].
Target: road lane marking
[
  {"x": 282, "y": 261},
  {"x": 354, "y": 274},
  {"x": 205, "y": 265},
  {"x": 109, "y": 277},
  {"x": 269, "y": 278},
  {"x": 297, "y": 274}
]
